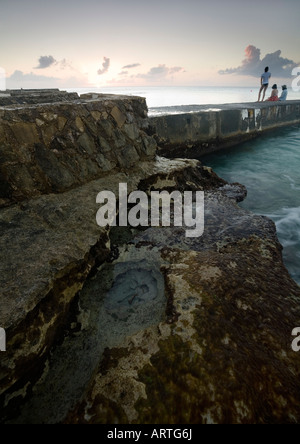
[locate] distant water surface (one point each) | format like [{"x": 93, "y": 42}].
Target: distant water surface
[{"x": 163, "y": 96}]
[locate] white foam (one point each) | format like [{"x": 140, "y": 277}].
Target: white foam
[
  {"x": 288, "y": 226},
  {"x": 292, "y": 183}
]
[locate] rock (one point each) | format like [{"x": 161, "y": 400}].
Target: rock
[
  {"x": 48, "y": 247},
  {"x": 87, "y": 144},
  {"x": 118, "y": 116},
  {"x": 79, "y": 124},
  {"x": 133, "y": 325},
  {"x": 25, "y": 133},
  {"x": 223, "y": 353},
  {"x": 79, "y": 131},
  {"x": 132, "y": 131},
  {"x": 128, "y": 157},
  {"x": 35, "y": 96}
]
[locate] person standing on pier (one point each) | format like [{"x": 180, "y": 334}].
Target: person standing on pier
[{"x": 264, "y": 79}]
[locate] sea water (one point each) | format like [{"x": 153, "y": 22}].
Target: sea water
[
  {"x": 158, "y": 97},
  {"x": 269, "y": 167}
]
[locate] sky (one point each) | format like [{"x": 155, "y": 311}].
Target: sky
[{"x": 86, "y": 43}]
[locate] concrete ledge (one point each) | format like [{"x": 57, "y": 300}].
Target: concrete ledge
[{"x": 201, "y": 130}]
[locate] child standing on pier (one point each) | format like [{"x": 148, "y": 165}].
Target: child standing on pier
[{"x": 264, "y": 80}]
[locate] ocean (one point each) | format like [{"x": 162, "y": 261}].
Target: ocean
[
  {"x": 165, "y": 96},
  {"x": 269, "y": 166}
]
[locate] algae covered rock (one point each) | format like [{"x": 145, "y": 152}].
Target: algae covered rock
[{"x": 223, "y": 352}]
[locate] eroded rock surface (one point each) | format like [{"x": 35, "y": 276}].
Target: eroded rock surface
[
  {"x": 49, "y": 247},
  {"x": 223, "y": 353}
]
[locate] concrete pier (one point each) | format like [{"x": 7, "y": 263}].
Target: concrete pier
[{"x": 201, "y": 130}]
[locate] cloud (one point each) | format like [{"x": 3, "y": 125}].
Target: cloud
[
  {"x": 19, "y": 79},
  {"x": 105, "y": 66},
  {"x": 45, "y": 62},
  {"x": 134, "y": 65},
  {"x": 175, "y": 70},
  {"x": 65, "y": 64},
  {"x": 253, "y": 65},
  {"x": 160, "y": 71},
  {"x": 123, "y": 73},
  {"x": 19, "y": 76}
]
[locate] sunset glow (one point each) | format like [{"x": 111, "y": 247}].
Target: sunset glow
[{"x": 130, "y": 43}]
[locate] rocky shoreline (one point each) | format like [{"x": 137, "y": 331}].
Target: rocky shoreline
[{"x": 208, "y": 341}]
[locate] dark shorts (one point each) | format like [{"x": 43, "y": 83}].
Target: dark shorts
[{"x": 265, "y": 85}]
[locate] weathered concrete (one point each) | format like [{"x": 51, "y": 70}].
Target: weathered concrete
[{"x": 201, "y": 130}]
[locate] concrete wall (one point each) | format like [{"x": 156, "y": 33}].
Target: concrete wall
[{"x": 205, "y": 129}]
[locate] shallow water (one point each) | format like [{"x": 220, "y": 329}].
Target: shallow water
[{"x": 269, "y": 167}]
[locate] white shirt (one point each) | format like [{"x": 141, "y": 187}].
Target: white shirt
[{"x": 265, "y": 77}]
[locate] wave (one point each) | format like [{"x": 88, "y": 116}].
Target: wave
[
  {"x": 288, "y": 225},
  {"x": 294, "y": 186},
  {"x": 287, "y": 222}
]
